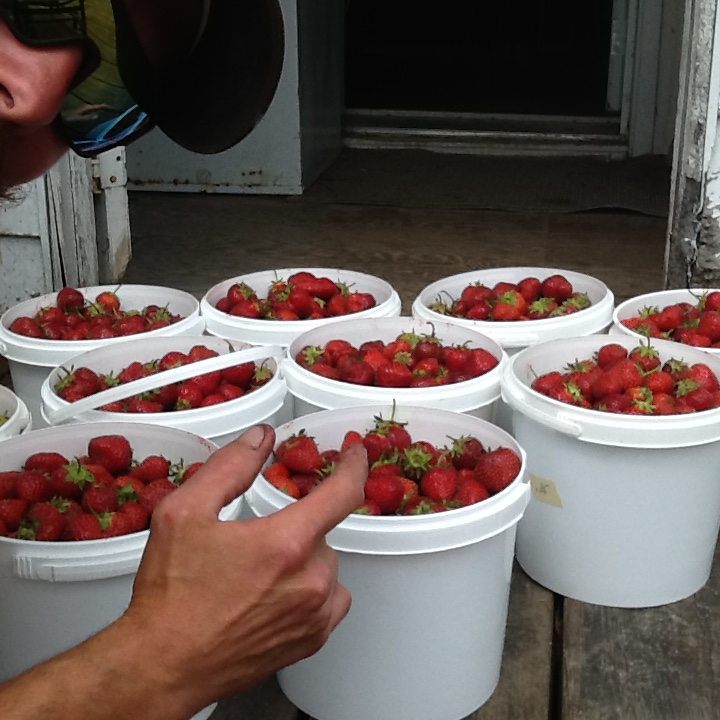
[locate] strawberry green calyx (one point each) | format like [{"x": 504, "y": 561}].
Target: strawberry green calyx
[
  {"x": 686, "y": 386},
  {"x": 646, "y": 407},
  {"x": 393, "y": 459},
  {"x": 581, "y": 366},
  {"x": 127, "y": 494},
  {"x": 312, "y": 354},
  {"x": 78, "y": 474},
  {"x": 262, "y": 374},
  {"x": 245, "y": 290},
  {"x": 542, "y": 306},
  {"x": 676, "y": 366},
  {"x": 422, "y": 508},
  {"x": 412, "y": 338},
  {"x": 575, "y": 393},
  {"x": 404, "y": 358},
  {"x": 415, "y": 461},
  {"x": 648, "y": 311}
]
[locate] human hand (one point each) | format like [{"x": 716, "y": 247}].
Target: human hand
[{"x": 223, "y": 605}]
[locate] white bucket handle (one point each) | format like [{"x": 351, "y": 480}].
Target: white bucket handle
[
  {"x": 102, "y": 567},
  {"x": 24, "y": 418},
  {"x": 557, "y": 422},
  {"x": 166, "y": 377}
]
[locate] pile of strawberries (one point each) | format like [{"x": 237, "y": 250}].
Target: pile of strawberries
[
  {"x": 410, "y": 360},
  {"x": 528, "y": 299},
  {"x": 73, "y": 318},
  {"x": 407, "y": 476},
  {"x": 210, "y": 388},
  {"x": 695, "y": 324},
  {"x": 303, "y": 296},
  {"x": 634, "y": 382},
  {"x": 105, "y": 493}
]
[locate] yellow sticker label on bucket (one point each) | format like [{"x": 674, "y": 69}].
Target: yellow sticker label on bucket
[{"x": 545, "y": 490}]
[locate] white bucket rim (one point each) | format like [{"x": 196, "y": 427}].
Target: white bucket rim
[
  {"x": 523, "y": 333},
  {"x": 604, "y": 428},
  {"x": 417, "y": 534},
  {"x": 48, "y": 353},
  {"x": 55, "y": 438},
  {"x": 19, "y": 419},
  {"x": 325, "y": 392},
  {"x": 283, "y": 331},
  {"x": 215, "y": 420},
  {"x": 661, "y": 299}
]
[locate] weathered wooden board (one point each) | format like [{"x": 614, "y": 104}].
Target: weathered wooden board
[{"x": 644, "y": 664}]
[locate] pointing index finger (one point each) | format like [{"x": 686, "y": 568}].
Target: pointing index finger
[{"x": 338, "y": 495}]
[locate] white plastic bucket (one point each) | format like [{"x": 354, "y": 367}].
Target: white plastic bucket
[
  {"x": 32, "y": 359},
  {"x": 661, "y": 299},
  {"x": 283, "y": 332},
  {"x": 514, "y": 336},
  {"x": 78, "y": 587},
  {"x": 220, "y": 423},
  {"x": 18, "y": 416},
  {"x": 404, "y": 574},
  {"x": 312, "y": 392},
  {"x": 626, "y": 508}
]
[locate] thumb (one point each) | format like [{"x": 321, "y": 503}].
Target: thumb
[{"x": 228, "y": 472}]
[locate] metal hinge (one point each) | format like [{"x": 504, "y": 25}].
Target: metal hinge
[{"x": 108, "y": 170}]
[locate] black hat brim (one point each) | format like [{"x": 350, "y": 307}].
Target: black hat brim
[{"x": 212, "y": 99}]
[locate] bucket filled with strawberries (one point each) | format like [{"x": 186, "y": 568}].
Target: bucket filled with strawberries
[
  {"x": 75, "y": 504},
  {"x": 519, "y": 306},
  {"x": 405, "y": 360},
  {"x": 687, "y": 316},
  {"x": 275, "y": 306},
  {"x": 38, "y": 334},
  {"x": 203, "y": 384},
  {"x": 622, "y": 436},
  {"x": 436, "y": 529}
]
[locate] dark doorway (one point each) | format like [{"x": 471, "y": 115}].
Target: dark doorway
[{"x": 547, "y": 57}]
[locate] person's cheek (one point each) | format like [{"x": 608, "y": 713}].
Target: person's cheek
[{"x": 26, "y": 155}]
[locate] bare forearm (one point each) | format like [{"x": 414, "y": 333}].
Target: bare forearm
[{"x": 108, "y": 677}]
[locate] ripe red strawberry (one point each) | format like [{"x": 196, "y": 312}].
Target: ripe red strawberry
[
  {"x": 324, "y": 370},
  {"x": 12, "y": 511},
  {"x": 239, "y": 375},
  {"x": 69, "y": 480},
  {"x": 386, "y": 490},
  {"x": 439, "y": 483},
  {"x": 352, "y": 437},
  {"x": 250, "y": 308},
  {"x": 300, "y": 453},
  {"x": 701, "y": 373},
  {"x": 151, "y": 468},
  {"x": 99, "y": 500},
  {"x": 358, "y": 301},
  {"x": 305, "y": 482},
  {"x": 659, "y": 382},
  {"x": 276, "y": 472},
  {"x": 558, "y": 287},
  {"x": 470, "y": 492},
  {"x": 369, "y": 507},
  {"x": 99, "y": 474},
  {"x": 670, "y": 318},
  {"x": 33, "y": 487},
  {"x": 45, "y": 462},
  {"x": 709, "y": 325},
  {"x": 394, "y": 374},
  {"x": 480, "y": 361},
  {"x": 189, "y": 396},
  {"x": 609, "y": 354},
  {"x": 138, "y": 516},
  {"x": 465, "y": 452},
  {"x": 353, "y": 369},
  {"x": 130, "y": 325},
  {"x": 26, "y": 326},
  {"x": 183, "y": 474},
  {"x": 69, "y": 299},
  {"x": 646, "y": 357},
  {"x": 116, "y": 524},
  {"x": 84, "y": 527},
  {"x": 8, "y": 479},
  {"x": 208, "y": 382},
  {"x": 43, "y": 522},
  {"x": 530, "y": 288},
  {"x": 377, "y": 445},
  {"x": 154, "y": 492},
  {"x": 497, "y": 468},
  {"x": 109, "y": 302},
  {"x": 113, "y": 452},
  {"x": 138, "y": 405}
]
